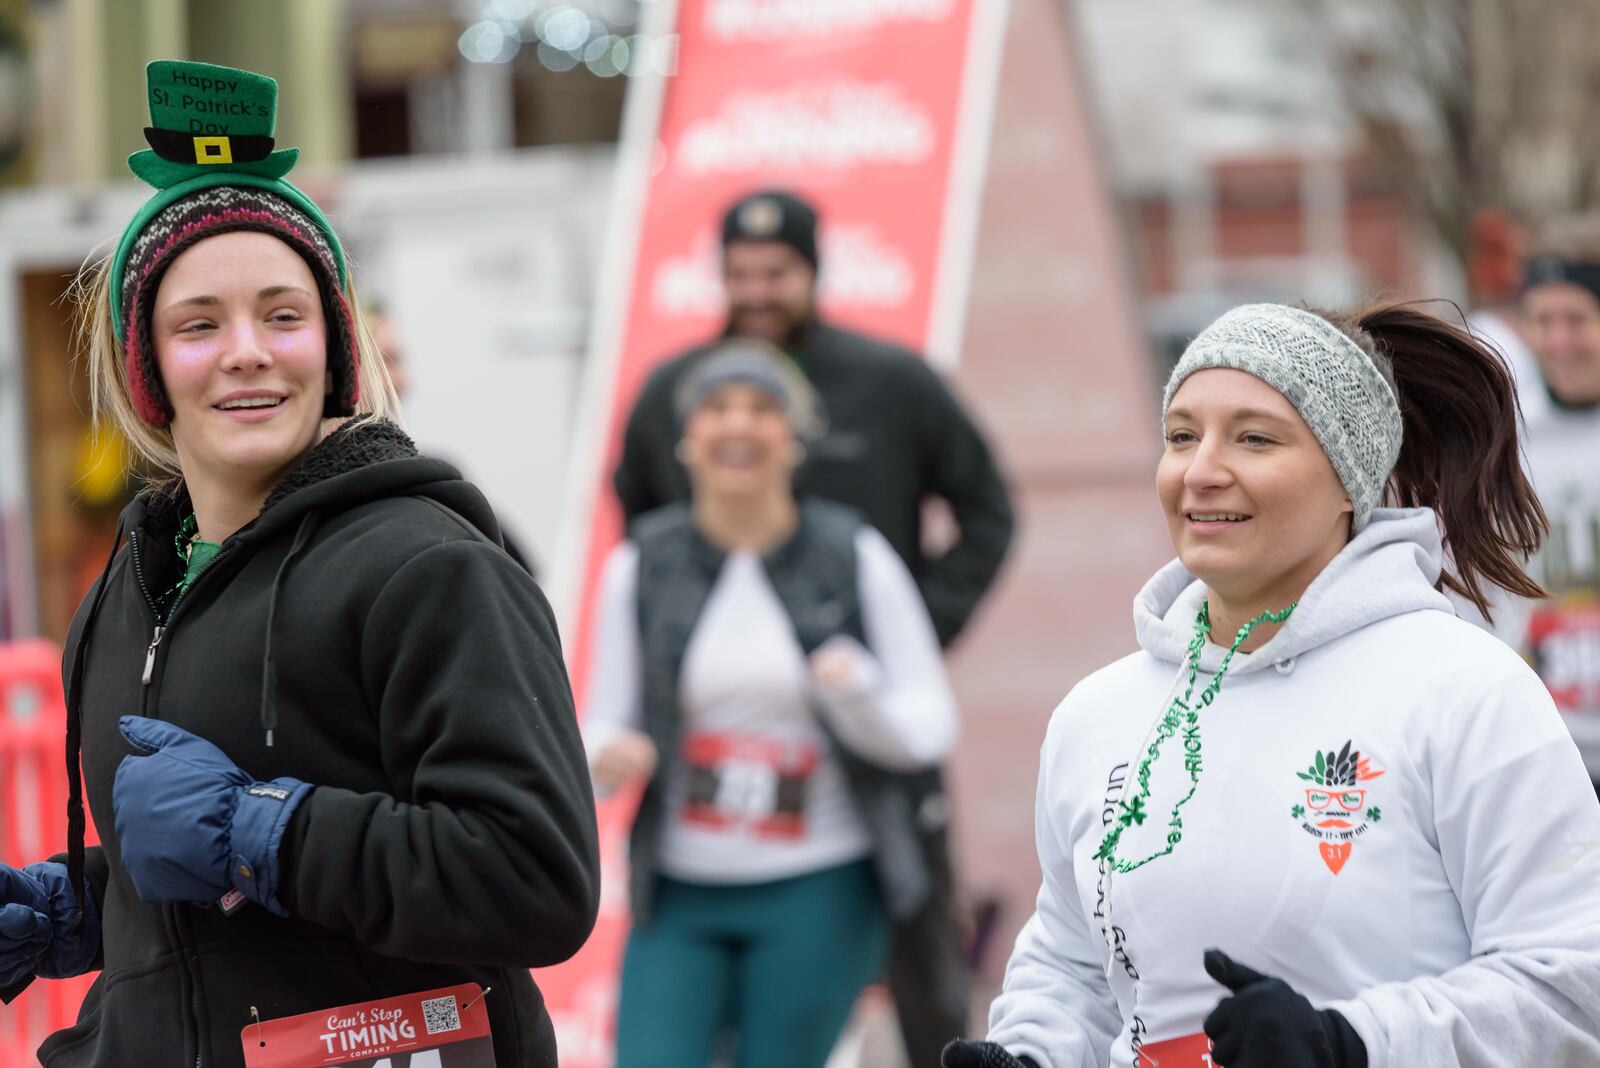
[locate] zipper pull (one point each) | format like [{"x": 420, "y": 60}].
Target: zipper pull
[{"x": 150, "y": 656}]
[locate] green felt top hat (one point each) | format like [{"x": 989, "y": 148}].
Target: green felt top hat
[
  {"x": 207, "y": 119},
  {"x": 212, "y": 163},
  {"x": 213, "y": 126}
]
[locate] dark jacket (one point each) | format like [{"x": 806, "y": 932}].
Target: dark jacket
[
  {"x": 814, "y": 576},
  {"x": 896, "y": 436},
  {"x": 411, "y": 672}
]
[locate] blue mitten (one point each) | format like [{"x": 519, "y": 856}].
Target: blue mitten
[
  {"x": 39, "y": 935},
  {"x": 192, "y": 824}
]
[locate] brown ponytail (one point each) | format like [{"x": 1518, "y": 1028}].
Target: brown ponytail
[{"x": 1460, "y": 454}]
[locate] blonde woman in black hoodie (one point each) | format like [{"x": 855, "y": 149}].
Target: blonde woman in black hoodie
[{"x": 325, "y": 730}]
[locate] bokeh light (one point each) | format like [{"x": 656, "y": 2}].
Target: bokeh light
[
  {"x": 594, "y": 34},
  {"x": 566, "y": 28},
  {"x": 490, "y": 41}
]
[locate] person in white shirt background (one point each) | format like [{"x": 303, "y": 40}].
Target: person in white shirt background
[
  {"x": 1560, "y": 636},
  {"x": 1317, "y": 821},
  {"x": 767, "y": 667}
]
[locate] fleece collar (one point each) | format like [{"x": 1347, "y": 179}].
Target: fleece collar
[{"x": 352, "y": 447}]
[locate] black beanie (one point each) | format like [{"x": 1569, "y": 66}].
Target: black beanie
[
  {"x": 773, "y": 215},
  {"x": 1545, "y": 270}
]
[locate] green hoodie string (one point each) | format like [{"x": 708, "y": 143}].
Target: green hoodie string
[{"x": 1180, "y": 714}]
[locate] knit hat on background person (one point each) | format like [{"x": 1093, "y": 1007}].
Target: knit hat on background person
[
  {"x": 756, "y": 363},
  {"x": 212, "y": 162},
  {"x": 1347, "y": 402},
  {"x": 773, "y": 215},
  {"x": 1549, "y": 270}
]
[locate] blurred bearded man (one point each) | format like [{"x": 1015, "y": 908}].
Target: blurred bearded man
[{"x": 896, "y": 437}]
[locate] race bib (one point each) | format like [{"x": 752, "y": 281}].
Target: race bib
[
  {"x": 408, "y": 1031},
  {"x": 1190, "y": 1051},
  {"x": 1564, "y": 645},
  {"x": 739, "y": 782}
]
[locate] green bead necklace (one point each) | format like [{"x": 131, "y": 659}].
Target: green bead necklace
[
  {"x": 1180, "y": 715},
  {"x": 193, "y": 556},
  {"x": 185, "y": 536}
]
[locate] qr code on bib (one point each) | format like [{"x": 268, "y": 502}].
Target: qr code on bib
[{"x": 439, "y": 1015}]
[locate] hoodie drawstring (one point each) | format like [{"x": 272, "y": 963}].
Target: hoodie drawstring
[
  {"x": 75, "y": 818},
  {"x": 269, "y": 668}
]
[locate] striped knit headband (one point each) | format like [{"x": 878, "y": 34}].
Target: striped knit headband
[
  {"x": 1336, "y": 388},
  {"x": 217, "y": 210},
  {"x": 227, "y": 180}
]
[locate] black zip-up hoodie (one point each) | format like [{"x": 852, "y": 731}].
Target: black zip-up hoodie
[{"x": 370, "y": 626}]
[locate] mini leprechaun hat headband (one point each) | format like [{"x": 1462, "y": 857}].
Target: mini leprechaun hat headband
[{"x": 210, "y": 126}]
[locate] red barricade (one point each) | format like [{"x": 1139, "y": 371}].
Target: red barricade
[{"x": 33, "y": 821}]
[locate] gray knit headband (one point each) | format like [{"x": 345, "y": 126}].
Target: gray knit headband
[{"x": 1336, "y": 388}]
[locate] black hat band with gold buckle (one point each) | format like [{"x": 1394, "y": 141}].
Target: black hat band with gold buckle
[{"x": 179, "y": 147}]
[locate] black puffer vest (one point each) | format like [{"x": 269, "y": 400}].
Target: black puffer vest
[{"x": 814, "y": 575}]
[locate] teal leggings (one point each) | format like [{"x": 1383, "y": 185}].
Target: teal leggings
[{"x": 778, "y": 964}]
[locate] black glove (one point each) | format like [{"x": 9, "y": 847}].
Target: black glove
[
  {"x": 964, "y": 1054},
  {"x": 1267, "y": 1024}
]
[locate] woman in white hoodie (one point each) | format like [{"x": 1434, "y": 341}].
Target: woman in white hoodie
[{"x": 1318, "y": 821}]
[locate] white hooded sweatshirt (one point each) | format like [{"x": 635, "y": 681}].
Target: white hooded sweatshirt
[{"x": 1442, "y": 891}]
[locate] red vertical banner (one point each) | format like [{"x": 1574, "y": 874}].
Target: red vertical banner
[{"x": 876, "y": 112}]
